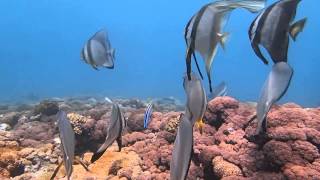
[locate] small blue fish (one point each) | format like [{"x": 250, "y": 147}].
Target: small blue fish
[{"x": 147, "y": 115}]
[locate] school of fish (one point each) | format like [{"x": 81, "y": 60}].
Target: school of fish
[{"x": 270, "y": 30}]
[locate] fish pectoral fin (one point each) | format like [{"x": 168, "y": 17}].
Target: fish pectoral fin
[
  {"x": 223, "y": 39},
  {"x": 80, "y": 161},
  {"x": 56, "y": 171},
  {"x": 96, "y": 156},
  {"x": 200, "y": 125},
  {"x": 296, "y": 28}
]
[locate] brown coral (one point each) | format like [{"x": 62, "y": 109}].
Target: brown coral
[{"x": 172, "y": 124}]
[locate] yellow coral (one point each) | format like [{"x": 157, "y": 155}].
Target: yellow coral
[
  {"x": 173, "y": 124},
  {"x": 77, "y": 121}
]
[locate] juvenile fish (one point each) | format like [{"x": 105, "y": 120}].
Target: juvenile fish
[
  {"x": 114, "y": 132},
  {"x": 182, "y": 150},
  {"x": 67, "y": 137},
  {"x": 204, "y": 31},
  {"x": 271, "y": 30},
  {"x": 196, "y": 100},
  {"x": 98, "y": 51}
]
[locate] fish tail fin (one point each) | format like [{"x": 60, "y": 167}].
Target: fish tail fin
[
  {"x": 200, "y": 125},
  {"x": 296, "y": 28},
  {"x": 113, "y": 53},
  {"x": 56, "y": 171},
  {"x": 253, "y": 6},
  {"x": 220, "y": 90},
  {"x": 119, "y": 142},
  {"x": 195, "y": 59},
  {"x": 96, "y": 156},
  {"x": 223, "y": 39},
  {"x": 274, "y": 88},
  {"x": 208, "y": 69}
]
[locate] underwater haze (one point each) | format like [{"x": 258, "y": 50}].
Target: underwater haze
[{"x": 41, "y": 43}]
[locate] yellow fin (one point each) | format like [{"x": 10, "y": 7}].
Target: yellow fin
[
  {"x": 200, "y": 125},
  {"x": 297, "y": 28}
]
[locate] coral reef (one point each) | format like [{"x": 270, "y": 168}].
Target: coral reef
[{"x": 226, "y": 150}]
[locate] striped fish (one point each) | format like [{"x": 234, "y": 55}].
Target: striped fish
[
  {"x": 204, "y": 31},
  {"x": 182, "y": 150},
  {"x": 196, "y": 100},
  {"x": 67, "y": 141},
  {"x": 98, "y": 51},
  {"x": 274, "y": 88},
  {"x": 271, "y": 30},
  {"x": 114, "y": 132},
  {"x": 147, "y": 115}
]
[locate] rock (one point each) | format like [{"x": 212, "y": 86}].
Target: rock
[
  {"x": 25, "y": 152},
  {"x": 10, "y": 164},
  {"x": 10, "y": 118},
  {"x": 47, "y": 108},
  {"x": 115, "y": 167},
  {"x": 300, "y": 172},
  {"x": 35, "y": 133},
  {"x": 130, "y": 139},
  {"x": 135, "y": 121},
  {"x": 127, "y": 173},
  {"x": 133, "y": 103},
  {"x": 4, "y": 127},
  {"x": 223, "y": 168}
]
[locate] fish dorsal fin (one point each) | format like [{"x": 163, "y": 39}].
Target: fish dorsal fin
[
  {"x": 101, "y": 37},
  {"x": 113, "y": 53},
  {"x": 223, "y": 39},
  {"x": 296, "y": 28}
]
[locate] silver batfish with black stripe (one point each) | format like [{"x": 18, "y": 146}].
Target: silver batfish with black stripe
[{"x": 98, "y": 51}]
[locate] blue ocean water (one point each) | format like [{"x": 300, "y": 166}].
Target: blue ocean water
[{"x": 41, "y": 42}]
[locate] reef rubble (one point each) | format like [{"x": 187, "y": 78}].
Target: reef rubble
[{"x": 290, "y": 149}]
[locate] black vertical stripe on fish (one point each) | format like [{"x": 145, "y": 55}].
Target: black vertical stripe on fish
[
  {"x": 119, "y": 142},
  {"x": 67, "y": 141},
  {"x": 119, "y": 139},
  {"x": 55, "y": 172},
  {"x": 97, "y": 156},
  {"x": 272, "y": 30},
  {"x": 256, "y": 40},
  {"x": 90, "y": 56},
  {"x": 193, "y": 54},
  {"x": 193, "y": 33}
]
